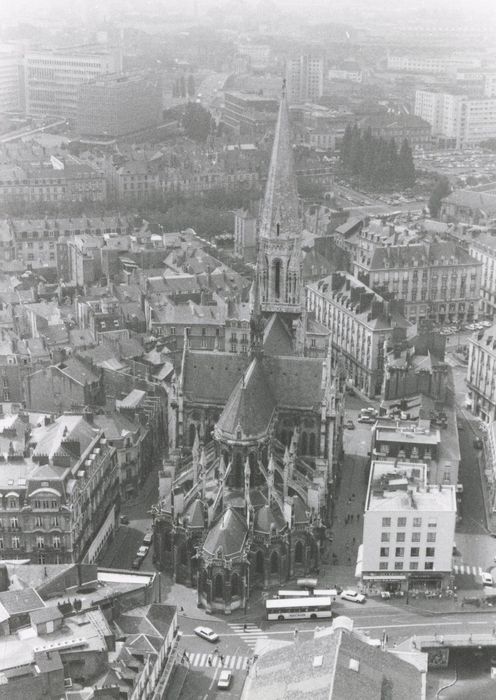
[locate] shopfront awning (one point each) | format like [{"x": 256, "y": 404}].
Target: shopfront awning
[{"x": 382, "y": 577}]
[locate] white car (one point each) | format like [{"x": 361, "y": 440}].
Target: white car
[
  {"x": 224, "y": 681},
  {"x": 206, "y": 633},
  {"x": 142, "y": 551},
  {"x": 353, "y": 596},
  {"x": 487, "y": 579}
]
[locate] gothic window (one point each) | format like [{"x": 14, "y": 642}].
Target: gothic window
[
  {"x": 192, "y": 434},
  {"x": 259, "y": 562},
  {"x": 311, "y": 448},
  {"x": 235, "y": 588},
  {"x": 277, "y": 278},
  {"x": 274, "y": 563},
  {"x": 218, "y": 586},
  {"x": 298, "y": 553},
  {"x": 278, "y": 229},
  {"x": 304, "y": 443}
]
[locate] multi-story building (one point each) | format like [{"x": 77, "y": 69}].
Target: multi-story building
[
  {"x": 70, "y": 181},
  {"x": 10, "y": 78},
  {"x": 52, "y": 78},
  {"x": 421, "y": 63},
  {"x": 433, "y": 441},
  {"x": 457, "y": 118},
  {"x": 408, "y": 528},
  {"x": 114, "y": 105},
  {"x": 481, "y": 374},
  {"x": 249, "y": 114},
  {"x": 481, "y": 246},
  {"x": 439, "y": 281},
  {"x": 305, "y": 78},
  {"x": 415, "y": 130},
  {"x": 348, "y": 70},
  {"x": 245, "y": 235},
  {"x": 320, "y": 127},
  {"x": 60, "y": 489},
  {"x": 259, "y": 54},
  {"x": 360, "y": 322}
]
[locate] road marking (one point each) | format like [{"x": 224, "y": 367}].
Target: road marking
[
  {"x": 203, "y": 659},
  {"x": 240, "y": 663},
  {"x": 233, "y": 662}
]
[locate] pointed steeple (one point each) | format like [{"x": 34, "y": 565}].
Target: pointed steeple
[{"x": 280, "y": 215}]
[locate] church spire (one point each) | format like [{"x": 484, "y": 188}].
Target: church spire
[
  {"x": 279, "y": 268},
  {"x": 280, "y": 212}
]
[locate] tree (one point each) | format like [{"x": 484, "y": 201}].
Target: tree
[
  {"x": 406, "y": 168},
  {"x": 197, "y": 121},
  {"x": 441, "y": 189}
]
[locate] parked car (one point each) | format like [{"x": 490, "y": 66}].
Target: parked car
[
  {"x": 369, "y": 411},
  {"x": 487, "y": 579},
  {"x": 142, "y": 551},
  {"x": 206, "y": 633},
  {"x": 148, "y": 538},
  {"x": 353, "y": 596},
  {"x": 124, "y": 520},
  {"x": 349, "y": 425},
  {"x": 366, "y": 419},
  {"x": 137, "y": 561},
  {"x": 224, "y": 680}
]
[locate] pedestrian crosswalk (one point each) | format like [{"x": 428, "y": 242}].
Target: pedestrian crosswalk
[
  {"x": 467, "y": 570},
  {"x": 233, "y": 663},
  {"x": 249, "y": 633}
]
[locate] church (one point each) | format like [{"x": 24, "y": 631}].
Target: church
[{"x": 247, "y": 491}]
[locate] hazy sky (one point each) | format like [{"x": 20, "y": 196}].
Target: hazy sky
[{"x": 12, "y": 10}]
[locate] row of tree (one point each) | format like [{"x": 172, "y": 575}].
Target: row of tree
[{"x": 376, "y": 162}]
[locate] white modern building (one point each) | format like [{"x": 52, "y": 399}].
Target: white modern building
[
  {"x": 10, "y": 78},
  {"x": 305, "y": 78},
  {"x": 422, "y": 63},
  {"x": 461, "y": 119},
  {"x": 408, "y": 528}
]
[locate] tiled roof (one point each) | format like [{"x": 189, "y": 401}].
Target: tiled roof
[
  {"x": 267, "y": 516},
  {"x": 250, "y": 406},
  {"x": 295, "y": 381},
  {"x": 473, "y": 200},
  {"x": 229, "y": 533}
]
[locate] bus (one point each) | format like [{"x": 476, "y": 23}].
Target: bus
[
  {"x": 292, "y": 594},
  {"x": 298, "y": 608},
  {"x": 326, "y": 592},
  {"x": 309, "y": 583}
]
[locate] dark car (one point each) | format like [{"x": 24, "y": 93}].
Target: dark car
[
  {"x": 124, "y": 520},
  {"x": 137, "y": 562}
]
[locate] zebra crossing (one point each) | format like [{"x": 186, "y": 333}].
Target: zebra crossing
[
  {"x": 467, "y": 570},
  {"x": 233, "y": 663},
  {"x": 249, "y": 633}
]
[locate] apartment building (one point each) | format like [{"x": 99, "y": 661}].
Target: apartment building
[
  {"x": 58, "y": 182},
  {"x": 433, "y": 441},
  {"x": 53, "y": 77},
  {"x": 245, "y": 235},
  {"x": 10, "y": 78},
  {"x": 360, "y": 322},
  {"x": 481, "y": 245},
  {"x": 304, "y": 78},
  {"x": 458, "y": 119},
  {"x": 481, "y": 374},
  {"x": 438, "y": 281},
  {"x": 415, "y": 130},
  {"x": 436, "y": 64},
  {"x": 59, "y": 487},
  {"x": 115, "y": 105},
  {"x": 249, "y": 114},
  {"x": 408, "y": 528}
]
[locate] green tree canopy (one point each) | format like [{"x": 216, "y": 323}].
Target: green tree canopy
[
  {"x": 197, "y": 121},
  {"x": 441, "y": 189}
]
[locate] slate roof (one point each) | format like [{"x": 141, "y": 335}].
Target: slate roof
[
  {"x": 290, "y": 672},
  {"x": 295, "y": 381},
  {"x": 77, "y": 371},
  {"x": 229, "y": 532},
  {"x": 277, "y": 338},
  {"x": 472, "y": 200},
  {"x": 266, "y": 516},
  {"x": 195, "y": 513},
  {"x": 210, "y": 377},
  {"x": 401, "y": 256},
  {"x": 250, "y": 406}
]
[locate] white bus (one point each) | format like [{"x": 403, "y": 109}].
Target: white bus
[
  {"x": 298, "y": 608},
  {"x": 293, "y": 594},
  {"x": 326, "y": 592}
]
